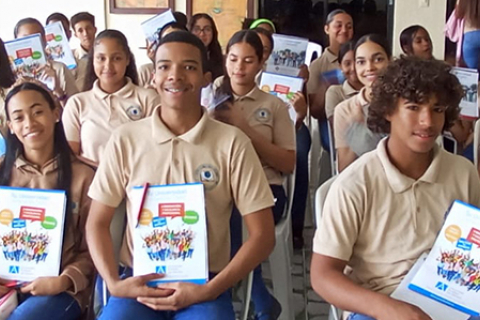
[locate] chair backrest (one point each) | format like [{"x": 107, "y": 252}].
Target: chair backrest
[
  {"x": 311, "y": 49},
  {"x": 332, "y": 151},
  {"x": 320, "y": 197},
  {"x": 450, "y": 144},
  {"x": 476, "y": 141}
]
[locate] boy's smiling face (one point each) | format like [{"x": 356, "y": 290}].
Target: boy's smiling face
[
  {"x": 417, "y": 125},
  {"x": 179, "y": 76}
]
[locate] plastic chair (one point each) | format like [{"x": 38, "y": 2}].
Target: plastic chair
[
  {"x": 281, "y": 257},
  {"x": 332, "y": 151},
  {"x": 320, "y": 196},
  {"x": 311, "y": 49},
  {"x": 476, "y": 141}
]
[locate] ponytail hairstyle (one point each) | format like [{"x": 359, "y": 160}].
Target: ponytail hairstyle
[
  {"x": 131, "y": 70},
  {"x": 250, "y": 37},
  {"x": 61, "y": 148},
  {"x": 377, "y": 39}
]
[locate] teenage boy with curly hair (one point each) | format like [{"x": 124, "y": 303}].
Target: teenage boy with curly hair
[{"x": 386, "y": 209}]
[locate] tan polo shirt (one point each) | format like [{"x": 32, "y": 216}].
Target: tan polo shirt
[
  {"x": 90, "y": 117},
  {"x": 80, "y": 72},
  {"x": 76, "y": 261},
  {"x": 65, "y": 77},
  {"x": 80, "y": 53},
  {"x": 269, "y": 116},
  {"x": 218, "y": 155},
  {"x": 345, "y": 114},
  {"x": 326, "y": 62},
  {"x": 145, "y": 74},
  {"x": 381, "y": 221},
  {"x": 336, "y": 94}
]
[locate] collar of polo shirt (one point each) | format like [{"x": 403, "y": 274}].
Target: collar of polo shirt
[
  {"x": 400, "y": 182},
  {"x": 125, "y": 92},
  {"x": 49, "y": 166},
  {"x": 332, "y": 58},
  {"x": 162, "y": 134},
  {"x": 254, "y": 94},
  {"x": 348, "y": 90}
]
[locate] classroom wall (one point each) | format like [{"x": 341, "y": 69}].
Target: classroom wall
[{"x": 409, "y": 12}]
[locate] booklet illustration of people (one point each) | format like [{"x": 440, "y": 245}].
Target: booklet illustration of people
[
  {"x": 283, "y": 87},
  {"x": 288, "y": 55},
  {"x": 451, "y": 272},
  {"x": 171, "y": 234},
  {"x": 26, "y": 55},
  {"x": 31, "y": 232},
  {"x": 152, "y": 26},
  {"x": 469, "y": 80},
  {"x": 58, "y": 47}
]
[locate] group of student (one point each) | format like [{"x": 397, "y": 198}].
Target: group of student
[{"x": 381, "y": 213}]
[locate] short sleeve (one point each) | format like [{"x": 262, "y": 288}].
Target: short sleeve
[
  {"x": 340, "y": 124},
  {"x": 283, "y": 128},
  {"x": 314, "y": 78},
  {"x": 332, "y": 99},
  {"x": 67, "y": 81},
  {"x": 108, "y": 186},
  {"x": 71, "y": 119},
  {"x": 339, "y": 226},
  {"x": 250, "y": 188}
]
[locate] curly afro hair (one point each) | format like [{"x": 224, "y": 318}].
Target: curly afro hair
[{"x": 415, "y": 80}]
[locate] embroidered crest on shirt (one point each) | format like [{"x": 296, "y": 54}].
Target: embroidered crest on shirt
[
  {"x": 263, "y": 115},
  {"x": 208, "y": 175},
  {"x": 134, "y": 113}
]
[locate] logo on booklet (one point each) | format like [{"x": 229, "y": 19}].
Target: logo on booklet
[
  {"x": 208, "y": 175},
  {"x": 441, "y": 286},
  {"x": 161, "y": 269},
  {"x": 14, "y": 269}
]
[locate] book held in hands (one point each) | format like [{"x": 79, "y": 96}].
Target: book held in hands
[{"x": 58, "y": 47}]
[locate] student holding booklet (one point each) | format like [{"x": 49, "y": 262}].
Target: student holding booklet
[
  {"x": 180, "y": 144},
  {"x": 38, "y": 156},
  {"x": 387, "y": 208}
]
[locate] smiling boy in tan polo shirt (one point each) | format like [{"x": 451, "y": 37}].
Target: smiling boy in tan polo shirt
[
  {"x": 180, "y": 143},
  {"x": 386, "y": 209}
]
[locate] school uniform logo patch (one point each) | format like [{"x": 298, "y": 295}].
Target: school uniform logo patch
[
  {"x": 208, "y": 175},
  {"x": 135, "y": 113},
  {"x": 263, "y": 115}
]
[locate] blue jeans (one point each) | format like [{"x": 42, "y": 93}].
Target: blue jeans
[
  {"x": 60, "y": 307},
  {"x": 304, "y": 142},
  {"x": 356, "y": 316},
  {"x": 127, "y": 309},
  {"x": 471, "y": 48}
]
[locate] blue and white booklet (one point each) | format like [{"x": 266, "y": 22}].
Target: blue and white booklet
[
  {"x": 31, "y": 232},
  {"x": 450, "y": 274},
  {"x": 152, "y": 26},
  {"x": 171, "y": 233},
  {"x": 58, "y": 47}
]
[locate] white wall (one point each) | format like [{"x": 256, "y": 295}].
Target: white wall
[{"x": 432, "y": 18}]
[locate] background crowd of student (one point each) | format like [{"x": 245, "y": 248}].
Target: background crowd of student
[{"x": 107, "y": 90}]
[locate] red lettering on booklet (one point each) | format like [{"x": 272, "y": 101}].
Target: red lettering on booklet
[
  {"x": 31, "y": 213},
  {"x": 50, "y": 37},
  {"x": 24, "y": 53},
  {"x": 474, "y": 236},
  {"x": 281, "y": 89},
  {"x": 171, "y": 209}
]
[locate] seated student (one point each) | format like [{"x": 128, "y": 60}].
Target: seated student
[
  {"x": 83, "y": 25},
  {"x": 64, "y": 82},
  {"x": 145, "y": 72},
  {"x": 415, "y": 41},
  {"x": 203, "y": 26},
  {"x": 265, "y": 120},
  {"x": 352, "y": 137},
  {"x": 387, "y": 208},
  {"x": 38, "y": 156},
  {"x": 350, "y": 87},
  {"x": 187, "y": 143},
  {"x": 7, "y": 78},
  {"x": 79, "y": 72},
  {"x": 339, "y": 28},
  {"x": 113, "y": 97}
]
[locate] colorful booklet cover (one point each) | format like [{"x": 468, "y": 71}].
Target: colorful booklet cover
[
  {"x": 26, "y": 55},
  {"x": 171, "y": 235},
  {"x": 288, "y": 55},
  {"x": 58, "y": 47},
  {"x": 31, "y": 232},
  {"x": 8, "y": 303},
  {"x": 451, "y": 272},
  {"x": 152, "y": 26},
  {"x": 469, "y": 80},
  {"x": 283, "y": 87}
]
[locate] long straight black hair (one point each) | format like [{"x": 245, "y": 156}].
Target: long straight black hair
[
  {"x": 253, "y": 39},
  {"x": 7, "y": 77},
  {"x": 60, "y": 147},
  {"x": 131, "y": 70}
]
